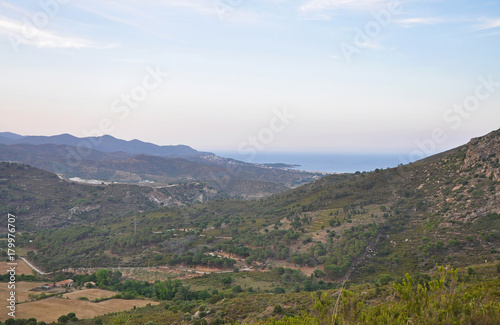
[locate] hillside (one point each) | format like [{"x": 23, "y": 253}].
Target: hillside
[
  {"x": 45, "y": 200},
  {"x": 362, "y": 231},
  {"x": 109, "y": 159},
  {"x": 432, "y": 204}
]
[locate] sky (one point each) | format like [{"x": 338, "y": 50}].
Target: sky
[{"x": 418, "y": 76}]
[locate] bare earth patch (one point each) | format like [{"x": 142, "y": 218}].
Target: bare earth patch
[
  {"x": 90, "y": 293},
  {"x": 49, "y": 310},
  {"x": 22, "y": 292},
  {"x": 21, "y": 268}
]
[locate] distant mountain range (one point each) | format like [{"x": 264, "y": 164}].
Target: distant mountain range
[
  {"x": 104, "y": 143},
  {"x": 109, "y": 159}
]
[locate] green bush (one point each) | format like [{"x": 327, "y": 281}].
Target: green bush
[
  {"x": 63, "y": 319},
  {"x": 385, "y": 279}
]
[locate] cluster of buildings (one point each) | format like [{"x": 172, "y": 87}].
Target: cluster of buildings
[{"x": 61, "y": 284}]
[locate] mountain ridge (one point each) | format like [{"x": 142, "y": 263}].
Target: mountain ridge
[
  {"x": 136, "y": 161},
  {"x": 105, "y": 143}
]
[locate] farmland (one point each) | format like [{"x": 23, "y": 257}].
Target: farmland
[{"x": 49, "y": 310}]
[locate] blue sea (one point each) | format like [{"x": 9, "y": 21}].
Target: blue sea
[{"x": 325, "y": 162}]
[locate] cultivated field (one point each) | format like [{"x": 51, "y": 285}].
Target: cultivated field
[
  {"x": 21, "y": 268},
  {"x": 50, "y": 309},
  {"x": 90, "y": 294},
  {"x": 22, "y": 291}
]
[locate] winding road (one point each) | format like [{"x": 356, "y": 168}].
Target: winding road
[{"x": 32, "y": 266}]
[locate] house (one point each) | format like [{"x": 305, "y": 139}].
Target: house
[
  {"x": 48, "y": 286},
  {"x": 65, "y": 283}
]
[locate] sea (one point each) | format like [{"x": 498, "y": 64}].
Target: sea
[{"x": 325, "y": 162}]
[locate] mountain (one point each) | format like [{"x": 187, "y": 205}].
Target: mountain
[
  {"x": 45, "y": 200},
  {"x": 236, "y": 179},
  {"x": 10, "y": 136},
  {"x": 104, "y": 143},
  {"x": 371, "y": 246},
  {"x": 432, "y": 204},
  {"x": 109, "y": 159}
]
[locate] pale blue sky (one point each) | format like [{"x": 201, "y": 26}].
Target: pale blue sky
[{"x": 232, "y": 62}]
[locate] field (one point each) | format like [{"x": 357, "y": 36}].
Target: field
[
  {"x": 22, "y": 268},
  {"x": 90, "y": 294},
  {"x": 50, "y": 309},
  {"x": 22, "y": 290}
]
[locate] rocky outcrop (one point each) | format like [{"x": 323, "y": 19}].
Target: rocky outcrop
[{"x": 483, "y": 155}]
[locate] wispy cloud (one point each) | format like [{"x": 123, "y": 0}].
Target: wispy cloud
[
  {"x": 130, "y": 60},
  {"x": 326, "y": 5},
  {"x": 374, "y": 45},
  {"x": 412, "y": 22},
  {"x": 329, "y": 9},
  {"x": 126, "y": 11},
  {"x": 93, "y": 10},
  {"x": 130, "y": 7},
  {"x": 22, "y": 33},
  {"x": 487, "y": 23}
]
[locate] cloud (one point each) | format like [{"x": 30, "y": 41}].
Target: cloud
[
  {"x": 328, "y": 5},
  {"x": 411, "y": 22},
  {"x": 131, "y": 8},
  {"x": 195, "y": 5},
  {"x": 487, "y": 23},
  {"x": 127, "y": 12},
  {"x": 327, "y": 9},
  {"x": 26, "y": 33},
  {"x": 373, "y": 45},
  {"x": 92, "y": 9},
  {"x": 130, "y": 60}
]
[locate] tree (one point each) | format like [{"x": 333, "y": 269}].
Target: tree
[
  {"x": 319, "y": 273},
  {"x": 279, "y": 290},
  {"x": 226, "y": 279},
  {"x": 103, "y": 276},
  {"x": 63, "y": 319}
]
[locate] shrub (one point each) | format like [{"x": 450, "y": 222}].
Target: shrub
[
  {"x": 214, "y": 299},
  {"x": 279, "y": 290},
  {"x": 63, "y": 319},
  {"x": 278, "y": 309},
  {"x": 385, "y": 279}
]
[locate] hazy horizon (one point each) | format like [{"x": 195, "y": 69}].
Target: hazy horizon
[{"x": 266, "y": 75}]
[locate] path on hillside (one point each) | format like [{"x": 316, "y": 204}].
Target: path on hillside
[{"x": 32, "y": 266}]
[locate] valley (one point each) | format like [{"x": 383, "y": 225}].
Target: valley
[{"x": 356, "y": 238}]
